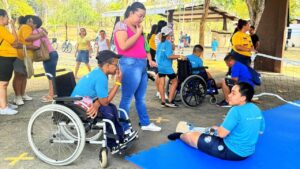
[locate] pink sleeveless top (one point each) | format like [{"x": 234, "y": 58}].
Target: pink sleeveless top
[{"x": 137, "y": 50}]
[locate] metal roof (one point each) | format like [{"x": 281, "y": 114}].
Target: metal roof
[{"x": 187, "y": 12}]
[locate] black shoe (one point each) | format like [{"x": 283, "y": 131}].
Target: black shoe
[
  {"x": 223, "y": 103},
  {"x": 174, "y": 136}
]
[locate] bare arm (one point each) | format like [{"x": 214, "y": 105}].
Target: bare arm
[
  {"x": 108, "y": 43},
  {"x": 113, "y": 91},
  {"x": 222, "y": 132}
]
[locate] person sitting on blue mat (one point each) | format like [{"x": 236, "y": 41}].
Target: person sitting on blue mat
[
  {"x": 239, "y": 73},
  {"x": 236, "y": 138}
]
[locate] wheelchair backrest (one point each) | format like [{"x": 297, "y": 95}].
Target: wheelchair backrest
[
  {"x": 184, "y": 69},
  {"x": 64, "y": 84}
]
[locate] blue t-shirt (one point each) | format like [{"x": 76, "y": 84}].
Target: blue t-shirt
[
  {"x": 214, "y": 45},
  {"x": 94, "y": 84},
  {"x": 240, "y": 71},
  {"x": 163, "y": 52},
  {"x": 195, "y": 62},
  {"x": 244, "y": 122}
]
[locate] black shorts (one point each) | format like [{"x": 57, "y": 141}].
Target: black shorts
[
  {"x": 6, "y": 68},
  {"x": 216, "y": 147},
  {"x": 170, "y": 76}
]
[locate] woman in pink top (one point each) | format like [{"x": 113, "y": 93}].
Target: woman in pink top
[
  {"x": 130, "y": 43},
  {"x": 39, "y": 34}
]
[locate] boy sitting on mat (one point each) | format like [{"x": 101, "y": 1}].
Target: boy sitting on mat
[{"x": 237, "y": 136}]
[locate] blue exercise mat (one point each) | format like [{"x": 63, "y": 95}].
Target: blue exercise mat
[{"x": 277, "y": 148}]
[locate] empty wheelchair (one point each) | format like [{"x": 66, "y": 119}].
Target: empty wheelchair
[
  {"x": 192, "y": 88},
  {"x": 58, "y": 132}
]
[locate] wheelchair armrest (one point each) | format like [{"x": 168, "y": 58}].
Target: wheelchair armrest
[
  {"x": 200, "y": 68},
  {"x": 67, "y": 99}
]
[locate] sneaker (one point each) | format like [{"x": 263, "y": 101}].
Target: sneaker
[
  {"x": 12, "y": 106},
  {"x": 158, "y": 95},
  {"x": 172, "y": 104},
  {"x": 163, "y": 104},
  {"x": 8, "y": 111},
  {"x": 18, "y": 100},
  {"x": 26, "y": 97},
  {"x": 151, "y": 127},
  {"x": 223, "y": 103},
  {"x": 130, "y": 136}
]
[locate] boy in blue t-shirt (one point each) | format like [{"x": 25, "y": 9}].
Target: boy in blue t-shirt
[
  {"x": 214, "y": 47},
  {"x": 196, "y": 62},
  {"x": 95, "y": 85},
  {"x": 164, "y": 58},
  {"x": 237, "y": 136},
  {"x": 239, "y": 73}
]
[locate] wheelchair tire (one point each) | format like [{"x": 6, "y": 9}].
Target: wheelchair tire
[
  {"x": 213, "y": 100},
  {"x": 193, "y": 91},
  {"x": 92, "y": 135},
  {"x": 103, "y": 157},
  {"x": 54, "y": 148},
  {"x": 176, "y": 97}
]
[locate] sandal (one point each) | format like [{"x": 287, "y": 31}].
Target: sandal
[{"x": 46, "y": 99}]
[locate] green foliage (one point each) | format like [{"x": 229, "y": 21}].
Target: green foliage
[
  {"x": 294, "y": 9},
  {"x": 238, "y": 7},
  {"x": 18, "y": 7}
]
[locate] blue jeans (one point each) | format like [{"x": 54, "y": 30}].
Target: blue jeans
[
  {"x": 134, "y": 83},
  {"x": 50, "y": 65}
]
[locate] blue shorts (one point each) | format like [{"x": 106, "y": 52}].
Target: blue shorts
[
  {"x": 215, "y": 146},
  {"x": 50, "y": 65},
  {"x": 83, "y": 56}
]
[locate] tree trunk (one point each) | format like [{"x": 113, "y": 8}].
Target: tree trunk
[
  {"x": 202, "y": 22},
  {"x": 256, "y": 9}
]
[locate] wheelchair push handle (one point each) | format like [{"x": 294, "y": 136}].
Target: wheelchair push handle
[{"x": 48, "y": 74}]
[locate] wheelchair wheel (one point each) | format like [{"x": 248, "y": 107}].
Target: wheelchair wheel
[
  {"x": 70, "y": 133},
  {"x": 103, "y": 160},
  {"x": 193, "y": 91},
  {"x": 45, "y": 135},
  {"x": 213, "y": 100},
  {"x": 176, "y": 97}
]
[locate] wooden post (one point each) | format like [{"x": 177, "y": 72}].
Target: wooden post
[
  {"x": 224, "y": 23},
  {"x": 170, "y": 16},
  {"x": 202, "y": 22},
  {"x": 271, "y": 32}
]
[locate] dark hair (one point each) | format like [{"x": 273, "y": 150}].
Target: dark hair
[
  {"x": 153, "y": 31},
  {"x": 23, "y": 19},
  {"x": 246, "y": 90},
  {"x": 252, "y": 27},
  {"x": 160, "y": 25},
  {"x": 3, "y": 12},
  {"x": 198, "y": 48},
  {"x": 37, "y": 21},
  {"x": 102, "y": 31},
  {"x": 241, "y": 23},
  {"x": 228, "y": 57},
  {"x": 109, "y": 61},
  {"x": 133, "y": 7}
]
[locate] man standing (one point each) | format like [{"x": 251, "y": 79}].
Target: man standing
[{"x": 254, "y": 38}]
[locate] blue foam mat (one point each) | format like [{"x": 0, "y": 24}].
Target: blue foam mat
[{"x": 277, "y": 148}]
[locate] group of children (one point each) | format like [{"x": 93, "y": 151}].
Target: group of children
[{"x": 164, "y": 58}]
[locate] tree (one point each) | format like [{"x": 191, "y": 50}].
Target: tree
[
  {"x": 256, "y": 9},
  {"x": 202, "y": 23}
]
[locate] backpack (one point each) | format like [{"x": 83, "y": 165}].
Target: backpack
[{"x": 255, "y": 76}]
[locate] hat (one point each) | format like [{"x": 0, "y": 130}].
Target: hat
[
  {"x": 106, "y": 55},
  {"x": 166, "y": 30}
]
